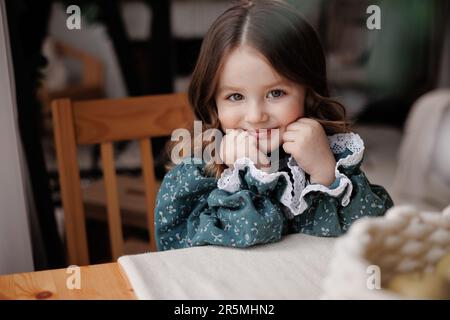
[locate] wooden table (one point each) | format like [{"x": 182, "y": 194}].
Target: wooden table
[{"x": 103, "y": 281}]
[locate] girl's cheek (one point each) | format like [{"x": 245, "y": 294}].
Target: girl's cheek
[
  {"x": 293, "y": 114},
  {"x": 297, "y": 104},
  {"x": 227, "y": 119}
]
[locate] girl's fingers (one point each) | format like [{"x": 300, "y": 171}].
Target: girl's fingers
[
  {"x": 233, "y": 132},
  {"x": 294, "y": 126},
  {"x": 289, "y": 147},
  {"x": 290, "y": 136},
  {"x": 241, "y": 143},
  {"x": 248, "y": 143},
  {"x": 229, "y": 147},
  {"x": 256, "y": 155},
  {"x": 262, "y": 159},
  {"x": 252, "y": 139},
  {"x": 242, "y": 134}
]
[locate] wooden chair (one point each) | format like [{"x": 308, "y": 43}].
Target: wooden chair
[{"x": 104, "y": 122}]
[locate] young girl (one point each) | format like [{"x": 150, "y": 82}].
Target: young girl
[{"x": 261, "y": 80}]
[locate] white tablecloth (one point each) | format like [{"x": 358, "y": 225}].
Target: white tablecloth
[{"x": 290, "y": 269}]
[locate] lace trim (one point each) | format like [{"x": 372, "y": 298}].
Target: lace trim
[
  {"x": 229, "y": 181},
  {"x": 299, "y": 177},
  {"x": 351, "y": 141},
  {"x": 338, "y": 144}
]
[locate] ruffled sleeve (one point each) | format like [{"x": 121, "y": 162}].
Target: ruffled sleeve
[
  {"x": 191, "y": 210},
  {"x": 348, "y": 149},
  {"x": 231, "y": 179},
  {"x": 330, "y": 210}
]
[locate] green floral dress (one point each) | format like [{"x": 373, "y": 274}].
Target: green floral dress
[{"x": 247, "y": 206}]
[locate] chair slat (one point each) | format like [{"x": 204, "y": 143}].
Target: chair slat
[
  {"x": 69, "y": 177},
  {"x": 150, "y": 186},
  {"x": 112, "y": 198},
  {"x": 98, "y": 121}
]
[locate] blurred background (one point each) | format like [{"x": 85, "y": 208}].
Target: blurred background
[{"x": 134, "y": 48}]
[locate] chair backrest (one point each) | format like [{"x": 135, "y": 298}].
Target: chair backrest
[{"x": 104, "y": 122}]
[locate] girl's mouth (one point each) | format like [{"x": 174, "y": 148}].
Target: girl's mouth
[{"x": 262, "y": 133}]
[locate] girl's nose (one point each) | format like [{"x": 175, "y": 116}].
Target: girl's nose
[{"x": 256, "y": 113}]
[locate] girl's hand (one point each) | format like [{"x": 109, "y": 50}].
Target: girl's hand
[
  {"x": 306, "y": 140},
  {"x": 238, "y": 144}
]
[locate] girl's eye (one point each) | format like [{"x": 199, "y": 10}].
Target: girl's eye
[
  {"x": 276, "y": 94},
  {"x": 235, "y": 97}
]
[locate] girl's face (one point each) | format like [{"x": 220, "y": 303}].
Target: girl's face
[{"x": 251, "y": 95}]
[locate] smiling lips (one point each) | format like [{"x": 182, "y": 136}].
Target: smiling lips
[{"x": 261, "y": 133}]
